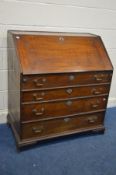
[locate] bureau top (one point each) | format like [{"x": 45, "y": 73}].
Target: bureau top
[{"x": 46, "y": 52}]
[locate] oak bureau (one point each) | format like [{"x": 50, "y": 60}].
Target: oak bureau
[{"x": 58, "y": 84}]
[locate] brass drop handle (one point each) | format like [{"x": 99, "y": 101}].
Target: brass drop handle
[
  {"x": 36, "y": 81},
  {"x": 92, "y": 119},
  {"x": 37, "y": 98},
  {"x": 37, "y": 130},
  {"x": 98, "y": 78},
  {"x": 95, "y": 105},
  {"x": 36, "y": 113},
  {"x": 95, "y": 92}
]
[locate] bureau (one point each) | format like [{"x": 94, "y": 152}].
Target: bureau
[{"x": 58, "y": 84}]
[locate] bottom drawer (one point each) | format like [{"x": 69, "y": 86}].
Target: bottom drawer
[{"x": 61, "y": 126}]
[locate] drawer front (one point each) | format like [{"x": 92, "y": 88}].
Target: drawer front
[
  {"x": 64, "y": 93},
  {"x": 63, "y": 108},
  {"x": 61, "y": 126},
  {"x": 47, "y": 81}
]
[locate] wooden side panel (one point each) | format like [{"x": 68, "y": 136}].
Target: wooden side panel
[{"x": 13, "y": 84}]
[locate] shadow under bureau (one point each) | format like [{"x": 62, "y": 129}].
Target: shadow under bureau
[{"x": 58, "y": 84}]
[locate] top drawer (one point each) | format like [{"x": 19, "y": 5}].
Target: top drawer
[{"x": 69, "y": 79}]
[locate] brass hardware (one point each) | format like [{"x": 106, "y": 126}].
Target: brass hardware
[
  {"x": 97, "y": 78},
  {"x": 95, "y": 105},
  {"x": 96, "y": 92},
  {"x": 61, "y": 38},
  {"x": 66, "y": 119},
  {"x": 38, "y": 113},
  {"x": 24, "y": 80},
  {"x": 69, "y": 91},
  {"x": 17, "y": 37},
  {"x": 37, "y": 98},
  {"x": 36, "y": 81},
  {"x": 68, "y": 103},
  {"x": 71, "y": 77},
  {"x": 44, "y": 80},
  {"x": 92, "y": 119},
  {"x": 104, "y": 99},
  {"x": 37, "y": 130}
]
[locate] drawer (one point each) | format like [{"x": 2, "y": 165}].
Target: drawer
[
  {"x": 62, "y": 108},
  {"x": 57, "y": 80},
  {"x": 72, "y": 92},
  {"x": 61, "y": 125}
]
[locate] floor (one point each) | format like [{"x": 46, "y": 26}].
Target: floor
[{"x": 76, "y": 155}]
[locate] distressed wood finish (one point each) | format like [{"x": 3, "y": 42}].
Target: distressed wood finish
[
  {"x": 14, "y": 77},
  {"x": 58, "y": 84}
]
